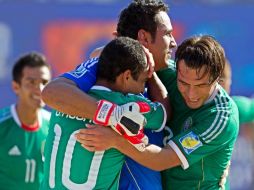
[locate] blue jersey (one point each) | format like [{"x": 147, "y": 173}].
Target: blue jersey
[
  {"x": 84, "y": 75},
  {"x": 133, "y": 176}
]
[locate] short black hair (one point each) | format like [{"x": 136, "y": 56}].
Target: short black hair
[
  {"x": 119, "y": 55},
  {"x": 199, "y": 51},
  {"x": 32, "y": 59},
  {"x": 140, "y": 14}
]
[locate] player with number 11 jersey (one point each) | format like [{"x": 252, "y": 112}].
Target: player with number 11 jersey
[{"x": 21, "y": 167}]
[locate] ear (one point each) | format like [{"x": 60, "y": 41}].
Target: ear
[
  {"x": 122, "y": 81},
  {"x": 126, "y": 76},
  {"x": 15, "y": 87},
  {"x": 115, "y": 34},
  {"x": 144, "y": 37}
]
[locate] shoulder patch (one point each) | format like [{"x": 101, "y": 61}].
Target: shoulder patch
[
  {"x": 190, "y": 142},
  {"x": 83, "y": 68}
]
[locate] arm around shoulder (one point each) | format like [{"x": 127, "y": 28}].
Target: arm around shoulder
[
  {"x": 63, "y": 95},
  {"x": 97, "y": 138}
]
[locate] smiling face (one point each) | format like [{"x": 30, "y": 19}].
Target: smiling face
[
  {"x": 162, "y": 45},
  {"x": 30, "y": 86},
  {"x": 194, "y": 86}
]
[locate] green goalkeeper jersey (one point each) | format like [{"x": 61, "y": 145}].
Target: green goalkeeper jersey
[
  {"x": 21, "y": 161},
  {"x": 202, "y": 138},
  {"x": 69, "y": 166}
]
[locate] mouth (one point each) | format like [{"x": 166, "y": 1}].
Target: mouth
[{"x": 193, "y": 101}]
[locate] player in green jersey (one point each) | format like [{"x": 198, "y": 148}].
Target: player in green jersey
[
  {"x": 246, "y": 118},
  {"x": 24, "y": 126},
  {"x": 245, "y": 105},
  {"x": 122, "y": 69},
  {"x": 203, "y": 128}
]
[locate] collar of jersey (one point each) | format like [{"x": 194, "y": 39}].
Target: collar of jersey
[
  {"x": 16, "y": 118},
  {"x": 98, "y": 87},
  {"x": 216, "y": 89}
]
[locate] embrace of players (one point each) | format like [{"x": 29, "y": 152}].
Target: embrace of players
[
  {"x": 203, "y": 128},
  {"x": 67, "y": 163}
]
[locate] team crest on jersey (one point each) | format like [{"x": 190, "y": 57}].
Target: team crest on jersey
[
  {"x": 190, "y": 142},
  {"x": 187, "y": 124}
]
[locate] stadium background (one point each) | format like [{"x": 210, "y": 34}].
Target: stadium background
[{"x": 66, "y": 31}]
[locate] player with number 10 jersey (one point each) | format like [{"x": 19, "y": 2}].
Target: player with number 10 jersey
[{"x": 69, "y": 166}]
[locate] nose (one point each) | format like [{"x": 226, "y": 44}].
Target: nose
[
  {"x": 192, "y": 93},
  {"x": 173, "y": 43}
]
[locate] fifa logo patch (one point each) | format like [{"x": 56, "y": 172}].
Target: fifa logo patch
[
  {"x": 190, "y": 142},
  {"x": 187, "y": 124}
]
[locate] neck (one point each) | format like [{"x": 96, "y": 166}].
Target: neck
[
  {"x": 26, "y": 115},
  {"x": 213, "y": 93}
]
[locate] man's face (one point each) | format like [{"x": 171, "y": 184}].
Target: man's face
[
  {"x": 29, "y": 89},
  {"x": 161, "y": 47},
  {"x": 195, "y": 90}
]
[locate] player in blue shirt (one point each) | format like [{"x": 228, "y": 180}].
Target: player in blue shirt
[{"x": 148, "y": 22}]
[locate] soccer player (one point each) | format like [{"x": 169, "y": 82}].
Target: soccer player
[
  {"x": 245, "y": 105},
  {"x": 148, "y": 22},
  {"x": 122, "y": 69},
  {"x": 24, "y": 126},
  {"x": 204, "y": 126}
]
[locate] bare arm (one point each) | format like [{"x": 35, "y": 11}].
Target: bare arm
[
  {"x": 158, "y": 92},
  {"x": 63, "y": 95},
  {"x": 96, "y": 52},
  {"x": 101, "y": 138},
  {"x": 154, "y": 157}
]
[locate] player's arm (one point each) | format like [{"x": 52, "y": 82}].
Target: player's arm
[
  {"x": 63, "y": 95},
  {"x": 99, "y": 138},
  {"x": 153, "y": 156},
  {"x": 96, "y": 52},
  {"x": 158, "y": 92}
]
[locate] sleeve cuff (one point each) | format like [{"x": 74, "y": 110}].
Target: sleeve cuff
[{"x": 180, "y": 155}]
